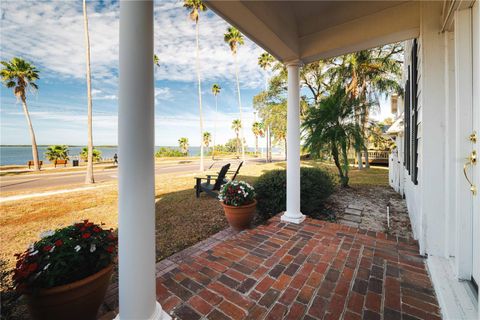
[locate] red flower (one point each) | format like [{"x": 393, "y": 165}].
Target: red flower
[
  {"x": 97, "y": 229},
  {"x": 59, "y": 243},
  {"x": 86, "y": 235},
  {"x": 82, "y": 229},
  {"x": 32, "y": 267},
  {"x": 111, "y": 236},
  {"x": 47, "y": 248},
  {"x": 110, "y": 249}
]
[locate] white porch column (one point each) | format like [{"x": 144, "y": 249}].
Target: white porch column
[
  {"x": 293, "y": 213},
  {"x": 136, "y": 198}
]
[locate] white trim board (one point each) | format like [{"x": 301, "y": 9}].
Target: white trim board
[{"x": 456, "y": 298}]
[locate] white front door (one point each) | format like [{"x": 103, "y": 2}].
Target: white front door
[{"x": 475, "y": 168}]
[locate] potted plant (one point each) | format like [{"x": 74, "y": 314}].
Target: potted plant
[
  {"x": 65, "y": 274},
  {"x": 239, "y": 204}
]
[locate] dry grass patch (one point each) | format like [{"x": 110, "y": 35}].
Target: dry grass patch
[{"x": 181, "y": 219}]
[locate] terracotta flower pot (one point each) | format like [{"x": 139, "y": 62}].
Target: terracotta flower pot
[
  {"x": 240, "y": 218},
  {"x": 78, "y": 300}
]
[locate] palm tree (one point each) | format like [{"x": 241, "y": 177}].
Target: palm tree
[
  {"x": 368, "y": 73},
  {"x": 97, "y": 155},
  {"x": 195, "y": 7},
  {"x": 330, "y": 127},
  {"x": 234, "y": 39},
  {"x": 21, "y": 75},
  {"x": 207, "y": 138},
  {"x": 156, "y": 60},
  {"x": 215, "y": 91},
  {"x": 257, "y": 129},
  {"x": 237, "y": 126},
  {"x": 265, "y": 61},
  {"x": 57, "y": 152},
  {"x": 89, "y": 177},
  {"x": 183, "y": 144}
]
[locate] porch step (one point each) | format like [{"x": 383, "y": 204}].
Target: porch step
[
  {"x": 352, "y": 216},
  {"x": 354, "y": 212}
]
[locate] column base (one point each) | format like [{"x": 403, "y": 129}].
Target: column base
[
  {"x": 159, "y": 314},
  {"x": 296, "y": 218}
]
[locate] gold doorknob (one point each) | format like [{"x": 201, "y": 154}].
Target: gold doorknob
[
  {"x": 473, "y": 137},
  {"x": 471, "y": 160}
]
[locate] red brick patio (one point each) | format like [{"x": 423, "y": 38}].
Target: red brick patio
[{"x": 316, "y": 270}]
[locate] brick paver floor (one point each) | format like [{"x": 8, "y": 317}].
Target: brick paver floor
[{"x": 315, "y": 270}]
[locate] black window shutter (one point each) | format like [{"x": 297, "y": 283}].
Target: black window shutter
[
  {"x": 414, "y": 106},
  {"x": 407, "y": 123}
]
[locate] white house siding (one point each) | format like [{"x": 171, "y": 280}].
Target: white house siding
[
  {"x": 438, "y": 204},
  {"x": 426, "y": 200}
]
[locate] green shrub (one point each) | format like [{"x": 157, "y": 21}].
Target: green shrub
[
  {"x": 168, "y": 152},
  {"x": 316, "y": 186}
]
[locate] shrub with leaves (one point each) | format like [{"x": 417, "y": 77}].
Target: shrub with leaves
[
  {"x": 236, "y": 193},
  {"x": 316, "y": 185},
  {"x": 168, "y": 152},
  {"x": 64, "y": 256}
]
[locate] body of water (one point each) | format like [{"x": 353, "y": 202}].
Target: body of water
[{"x": 20, "y": 155}]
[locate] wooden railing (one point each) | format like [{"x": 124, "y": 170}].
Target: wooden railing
[{"x": 374, "y": 157}]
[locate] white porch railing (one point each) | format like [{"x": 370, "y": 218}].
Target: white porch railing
[{"x": 394, "y": 171}]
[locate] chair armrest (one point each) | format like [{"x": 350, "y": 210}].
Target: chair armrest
[{"x": 207, "y": 177}]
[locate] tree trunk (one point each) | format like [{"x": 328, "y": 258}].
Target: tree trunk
[
  {"x": 240, "y": 107},
  {"x": 199, "y": 96},
  {"x": 345, "y": 164},
  {"x": 269, "y": 145},
  {"x": 367, "y": 164},
  {"x": 256, "y": 145},
  {"x": 237, "y": 146},
  {"x": 359, "y": 160},
  {"x": 267, "y": 132},
  {"x": 338, "y": 165},
  {"x": 285, "y": 141},
  {"x": 89, "y": 177},
  {"x": 215, "y": 127},
  {"x": 36, "y": 162}
]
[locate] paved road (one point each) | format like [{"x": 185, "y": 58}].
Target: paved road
[{"x": 38, "y": 181}]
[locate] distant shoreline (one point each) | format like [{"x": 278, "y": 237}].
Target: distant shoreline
[{"x": 48, "y": 145}]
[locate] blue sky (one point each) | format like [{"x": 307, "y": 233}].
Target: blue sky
[{"x": 50, "y": 35}]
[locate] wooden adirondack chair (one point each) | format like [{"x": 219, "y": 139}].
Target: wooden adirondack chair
[
  {"x": 235, "y": 173},
  {"x": 211, "y": 188}
]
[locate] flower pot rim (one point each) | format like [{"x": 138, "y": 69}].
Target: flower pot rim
[
  {"x": 73, "y": 285},
  {"x": 254, "y": 203}
]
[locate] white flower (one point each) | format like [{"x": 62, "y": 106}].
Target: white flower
[
  {"x": 93, "y": 247},
  {"x": 34, "y": 253},
  {"x": 47, "y": 233},
  {"x": 77, "y": 248},
  {"x": 46, "y": 267},
  {"x": 51, "y": 250}
]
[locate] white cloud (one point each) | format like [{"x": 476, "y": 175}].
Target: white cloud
[
  {"x": 100, "y": 95},
  {"x": 163, "y": 93},
  {"x": 50, "y": 34}
]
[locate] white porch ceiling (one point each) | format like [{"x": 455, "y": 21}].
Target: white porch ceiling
[{"x": 311, "y": 30}]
